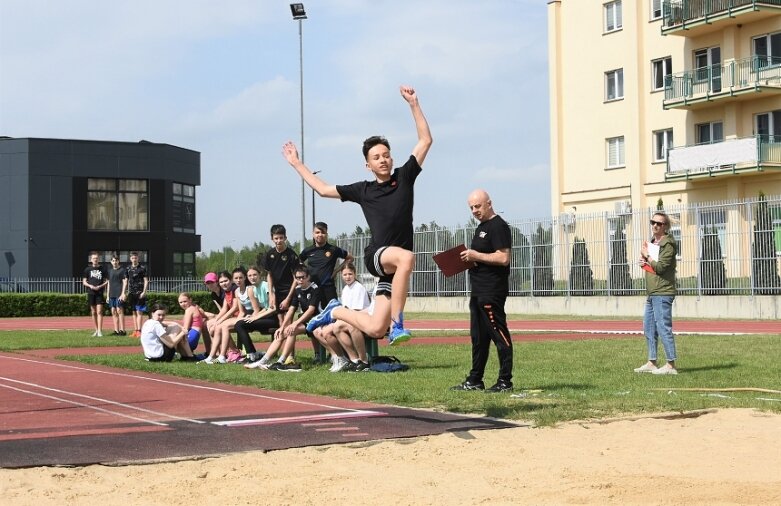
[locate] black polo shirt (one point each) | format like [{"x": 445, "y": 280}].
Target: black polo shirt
[{"x": 491, "y": 236}]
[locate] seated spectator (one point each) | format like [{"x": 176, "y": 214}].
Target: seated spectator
[
  {"x": 306, "y": 300},
  {"x": 193, "y": 322},
  {"x": 161, "y": 339},
  {"x": 263, "y": 320},
  {"x": 222, "y": 341}
]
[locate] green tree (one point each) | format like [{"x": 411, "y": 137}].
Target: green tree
[
  {"x": 713, "y": 274},
  {"x": 620, "y": 279},
  {"x": 581, "y": 276},
  {"x": 763, "y": 251},
  {"x": 542, "y": 259}
]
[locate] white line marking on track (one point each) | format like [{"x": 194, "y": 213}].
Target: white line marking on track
[
  {"x": 101, "y": 399},
  {"x": 55, "y": 363},
  {"x": 83, "y": 405}
]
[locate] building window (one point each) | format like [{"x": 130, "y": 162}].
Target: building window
[
  {"x": 117, "y": 204},
  {"x": 613, "y": 17},
  {"x": 656, "y": 9},
  {"x": 710, "y": 133},
  {"x": 707, "y": 63},
  {"x": 663, "y": 141},
  {"x": 184, "y": 265},
  {"x": 184, "y": 208},
  {"x": 768, "y": 126},
  {"x": 615, "y": 152},
  {"x": 767, "y": 50},
  {"x": 715, "y": 220},
  {"x": 104, "y": 257},
  {"x": 661, "y": 69},
  {"x": 614, "y": 84}
]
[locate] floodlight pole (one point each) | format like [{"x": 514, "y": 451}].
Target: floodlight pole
[{"x": 299, "y": 14}]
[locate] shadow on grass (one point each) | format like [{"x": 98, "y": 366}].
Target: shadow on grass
[{"x": 730, "y": 365}]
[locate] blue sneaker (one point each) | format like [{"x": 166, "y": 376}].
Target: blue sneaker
[
  {"x": 325, "y": 317},
  {"x": 398, "y": 334}
]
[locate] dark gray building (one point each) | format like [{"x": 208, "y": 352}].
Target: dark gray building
[{"x": 61, "y": 199}]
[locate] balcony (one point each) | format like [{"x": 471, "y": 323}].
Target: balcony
[
  {"x": 742, "y": 79},
  {"x": 749, "y": 154},
  {"x": 692, "y": 18}
]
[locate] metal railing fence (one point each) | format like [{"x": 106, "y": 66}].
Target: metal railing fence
[{"x": 725, "y": 248}]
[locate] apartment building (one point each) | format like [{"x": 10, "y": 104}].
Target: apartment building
[{"x": 678, "y": 100}]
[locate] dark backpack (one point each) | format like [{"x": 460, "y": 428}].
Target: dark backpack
[{"x": 387, "y": 364}]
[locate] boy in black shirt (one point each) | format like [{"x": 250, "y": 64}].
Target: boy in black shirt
[
  {"x": 321, "y": 258},
  {"x": 279, "y": 263},
  {"x": 95, "y": 279},
  {"x": 387, "y": 204},
  {"x": 137, "y": 283}
]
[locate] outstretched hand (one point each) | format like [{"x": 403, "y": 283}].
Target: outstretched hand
[
  {"x": 408, "y": 93},
  {"x": 290, "y": 152}
]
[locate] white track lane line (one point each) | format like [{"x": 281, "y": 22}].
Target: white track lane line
[
  {"x": 101, "y": 400},
  {"x": 83, "y": 405}
]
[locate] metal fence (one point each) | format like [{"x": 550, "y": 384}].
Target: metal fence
[{"x": 729, "y": 248}]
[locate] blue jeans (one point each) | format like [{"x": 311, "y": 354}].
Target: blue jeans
[{"x": 658, "y": 323}]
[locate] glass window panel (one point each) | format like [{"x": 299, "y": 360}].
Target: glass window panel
[
  {"x": 177, "y": 188},
  {"x": 189, "y": 190},
  {"x": 177, "y": 258},
  {"x": 133, "y": 211},
  {"x": 101, "y": 184},
  {"x": 101, "y": 211},
  {"x": 132, "y": 185},
  {"x": 188, "y": 258}
]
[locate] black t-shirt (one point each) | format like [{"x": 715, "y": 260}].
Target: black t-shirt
[
  {"x": 280, "y": 266},
  {"x": 387, "y": 206},
  {"x": 491, "y": 236},
  {"x": 96, "y": 276},
  {"x": 322, "y": 262},
  {"x": 135, "y": 278},
  {"x": 304, "y": 299}
]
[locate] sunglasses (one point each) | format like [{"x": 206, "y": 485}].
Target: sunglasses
[{"x": 658, "y": 223}]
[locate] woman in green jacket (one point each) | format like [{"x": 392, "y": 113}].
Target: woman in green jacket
[{"x": 658, "y": 261}]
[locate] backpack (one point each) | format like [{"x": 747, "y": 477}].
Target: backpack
[{"x": 387, "y": 364}]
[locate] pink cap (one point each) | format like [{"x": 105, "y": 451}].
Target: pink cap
[{"x": 210, "y": 277}]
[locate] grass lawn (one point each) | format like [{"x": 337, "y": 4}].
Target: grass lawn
[{"x": 555, "y": 380}]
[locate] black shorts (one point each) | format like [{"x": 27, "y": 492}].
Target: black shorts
[
  {"x": 372, "y": 256},
  {"x": 135, "y": 302},
  {"x": 327, "y": 293},
  {"x": 96, "y": 298},
  {"x": 167, "y": 356}
]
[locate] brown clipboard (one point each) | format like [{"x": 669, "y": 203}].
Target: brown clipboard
[{"x": 450, "y": 263}]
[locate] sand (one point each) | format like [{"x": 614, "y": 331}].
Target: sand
[{"x": 720, "y": 457}]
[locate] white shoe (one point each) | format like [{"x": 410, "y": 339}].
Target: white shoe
[
  {"x": 221, "y": 359},
  {"x": 95, "y": 334},
  {"x": 338, "y": 364},
  {"x": 99, "y": 334},
  {"x": 207, "y": 360},
  {"x": 647, "y": 367},
  {"x": 666, "y": 369},
  {"x": 254, "y": 365}
]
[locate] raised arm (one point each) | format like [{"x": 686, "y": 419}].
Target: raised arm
[
  {"x": 290, "y": 153},
  {"x": 424, "y": 134}
]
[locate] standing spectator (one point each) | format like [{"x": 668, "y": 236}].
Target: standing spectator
[
  {"x": 489, "y": 278},
  {"x": 321, "y": 258},
  {"x": 279, "y": 263},
  {"x": 657, "y": 259},
  {"x": 95, "y": 279},
  {"x": 137, "y": 283},
  {"x": 117, "y": 286}
]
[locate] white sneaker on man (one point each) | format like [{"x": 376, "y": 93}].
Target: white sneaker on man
[
  {"x": 665, "y": 369},
  {"x": 647, "y": 367}
]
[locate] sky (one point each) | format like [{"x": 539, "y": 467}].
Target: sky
[{"x": 222, "y": 78}]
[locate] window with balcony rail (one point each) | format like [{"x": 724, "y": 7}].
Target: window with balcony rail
[
  {"x": 709, "y": 133},
  {"x": 661, "y": 70}
]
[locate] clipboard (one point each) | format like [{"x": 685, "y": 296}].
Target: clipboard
[{"x": 450, "y": 263}]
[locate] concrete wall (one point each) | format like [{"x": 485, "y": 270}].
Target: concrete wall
[{"x": 766, "y": 307}]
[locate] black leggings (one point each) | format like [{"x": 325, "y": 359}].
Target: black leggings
[{"x": 262, "y": 325}]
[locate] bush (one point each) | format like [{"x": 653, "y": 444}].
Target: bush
[{"x": 14, "y": 305}]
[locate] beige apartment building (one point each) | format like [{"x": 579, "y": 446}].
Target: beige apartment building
[{"x": 671, "y": 99}]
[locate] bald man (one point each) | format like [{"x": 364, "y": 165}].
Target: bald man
[{"x": 490, "y": 281}]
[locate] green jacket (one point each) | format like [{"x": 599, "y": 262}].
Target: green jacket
[{"x": 663, "y": 281}]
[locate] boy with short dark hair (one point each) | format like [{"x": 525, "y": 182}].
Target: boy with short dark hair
[
  {"x": 321, "y": 258},
  {"x": 117, "y": 284},
  {"x": 279, "y": 263},
  {"x": 387, "y": 204},
  {"x": 137, "y": 283},
  {"x": 95, "y": 279}
]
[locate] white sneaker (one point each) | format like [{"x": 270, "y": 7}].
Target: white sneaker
[
  {"x": 207, "y": 360},
  {"x": 338, "y": 363},
  {"x": 254, "y": 365},
  {"x": 99, "y": 334},
  {"x": 95, "y": 334},
  {"x": 666, "y": 369},
  {"x": 647, "y": 367},
  {"x": 221, "y": 359}
]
